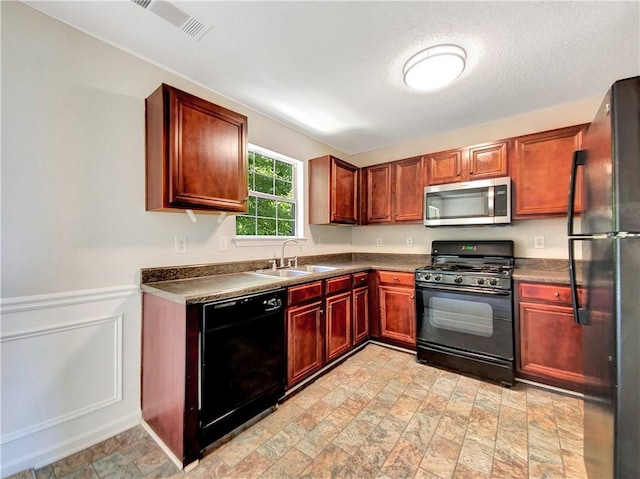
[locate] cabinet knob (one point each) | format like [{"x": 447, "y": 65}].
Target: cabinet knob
[
  {"x": 395, "y": 278},
  {"x": 556, "y": 294}
]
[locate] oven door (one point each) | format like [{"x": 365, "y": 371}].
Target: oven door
[{"x": 466, "y": 319}]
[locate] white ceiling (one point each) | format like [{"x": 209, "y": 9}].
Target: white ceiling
[{"x": 334, "y": 69}]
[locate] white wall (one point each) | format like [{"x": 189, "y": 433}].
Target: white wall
[
  {"x": 520, "y": 231},
  {"x": 74, "y": 228},
  {"x": 73, "y": 205}
]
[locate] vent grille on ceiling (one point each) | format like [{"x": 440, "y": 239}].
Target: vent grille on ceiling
[{"x": 172, "y": 14}]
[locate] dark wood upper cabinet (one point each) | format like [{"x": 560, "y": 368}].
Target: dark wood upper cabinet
[
  {"x": 487, "y": 160},
  {"x": 444, "y": 167},
  {"x": 196, "y": 154},
  {"x": 377, "y": 189},
  {"x": 541, "y": 171},
  {"x": 408, "y": 182},
  {"x": 392, "y": 192},
  {"x": 333, "y": 191}
]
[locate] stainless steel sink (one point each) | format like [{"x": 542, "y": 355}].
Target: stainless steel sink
[
  {"x": 314, "y": 268},
  {"x": 283, "y": 273}
]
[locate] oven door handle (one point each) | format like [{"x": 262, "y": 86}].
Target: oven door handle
[{"x": 463, "y": 289}]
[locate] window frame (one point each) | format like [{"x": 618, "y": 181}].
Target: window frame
[{"x": 297, "y": 200}]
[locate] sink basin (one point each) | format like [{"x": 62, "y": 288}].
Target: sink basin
[
  {"x": 313, "y": 268},
  {"x": 283, "y": 273}
]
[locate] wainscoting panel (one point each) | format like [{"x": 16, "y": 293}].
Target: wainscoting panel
[{"x": 70, "y": 372}]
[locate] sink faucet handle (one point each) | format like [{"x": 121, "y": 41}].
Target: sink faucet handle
[
  {"x": 295, "y": 261},
  {"x": 273, "y": 263}
]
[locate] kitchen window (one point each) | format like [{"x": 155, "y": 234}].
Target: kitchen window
[{"x": 275, "y": 201}]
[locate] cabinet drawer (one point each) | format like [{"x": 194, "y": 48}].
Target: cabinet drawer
[
  {"x": 337, "y": 285},
  {"x": 305, "y": 292},
  {"x": 554, "y": 293},
  {"x": 360, "y": 280},
  {"x": 394, "y": 277}
]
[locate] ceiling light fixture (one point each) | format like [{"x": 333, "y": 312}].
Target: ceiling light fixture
[{"x": 434, "y": 67}]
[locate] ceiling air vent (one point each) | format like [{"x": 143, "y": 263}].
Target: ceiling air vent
[{"x": 172, "y": 14}]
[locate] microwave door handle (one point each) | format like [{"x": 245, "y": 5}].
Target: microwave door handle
[
  {"x": 491, "y": 200},
  {"x": 579, "y": 159}
]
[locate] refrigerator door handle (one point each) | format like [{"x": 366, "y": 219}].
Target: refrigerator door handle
[
  {"x": 579, "y": 159},
  {"x": 580, "y": 315}
]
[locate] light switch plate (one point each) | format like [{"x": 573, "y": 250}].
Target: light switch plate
[
  {"x": 538, "y": 242},
  {"x": 378, "y": 241},
  {"x": 223, "y": 243}
]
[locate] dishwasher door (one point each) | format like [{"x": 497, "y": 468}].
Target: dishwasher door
[{"x": 242, "y": 361}]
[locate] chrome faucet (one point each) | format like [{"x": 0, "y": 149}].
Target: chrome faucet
[{"x": 283, "y": 245}]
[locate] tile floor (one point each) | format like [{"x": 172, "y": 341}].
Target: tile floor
[{"x": 380, "y": 414}]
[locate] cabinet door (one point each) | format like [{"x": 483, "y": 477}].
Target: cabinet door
[
  {"x": 444, "y": 167},
  {"x": 333, "y": 191},
  {"x": 198, "y": 158},
  {"x": 360, "y": 314},
  {"x": 542, "y": 167},
  {"x": 378, "y": 193},
  {"x": 344, "y": 192},
  {"x": 487, "y": 160},
  {"x": 338, "y": 320},
  {"x": 550, "y": 345},
  {"x": 398, "y": 314},
  {"x": 305, "y": 341},
  {"x": 408, "y": 189}
]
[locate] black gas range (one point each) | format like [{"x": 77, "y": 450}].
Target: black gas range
[{"x": 464, "y": 305}]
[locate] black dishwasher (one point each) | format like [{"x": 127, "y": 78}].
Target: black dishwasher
[{"x": 242, "y": 361}]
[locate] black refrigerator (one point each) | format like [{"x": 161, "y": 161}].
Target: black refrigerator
[{"x": 606, "y": 175}]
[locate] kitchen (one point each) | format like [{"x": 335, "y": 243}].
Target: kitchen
[{"x": 76, "y": 234}]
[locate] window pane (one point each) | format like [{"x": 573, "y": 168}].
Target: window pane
[
  {"x": 284, "y": 171},
  {"x": 285, "y": 210},
  {"x": 286, "y": 228},
  {"x": 264, "y": 184},
  {"x": 266, "y": 208},
  {"x": 284, "y": 188},
  {"x": 245, "y": 225},
  {"x": 251, "y": 205},
  {"x": 266, "y": 227},
  {"x": 264, "y": 165}
]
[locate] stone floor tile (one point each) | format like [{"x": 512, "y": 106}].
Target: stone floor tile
[{"x": 380, "y": 414}]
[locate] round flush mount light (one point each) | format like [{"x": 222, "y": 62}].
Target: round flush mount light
[{"x": 434, "y": 67}]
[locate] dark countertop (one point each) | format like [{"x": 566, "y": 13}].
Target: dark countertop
[{"x": 202, "y": 283}]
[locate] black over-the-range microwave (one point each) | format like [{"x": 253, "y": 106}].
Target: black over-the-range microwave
[{"x": 480, "y": 202}]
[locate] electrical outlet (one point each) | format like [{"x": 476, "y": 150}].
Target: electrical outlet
[
  {"x": 378, "y": 241},
  {"x": 180, "y": 244},
  {"x": 409, "y": 241},
  {"x": 223, "y": 243},
  {"x": 538, "y": 242}
]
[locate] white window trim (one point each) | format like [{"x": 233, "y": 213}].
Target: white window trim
[{"x": 298, "y": 180}]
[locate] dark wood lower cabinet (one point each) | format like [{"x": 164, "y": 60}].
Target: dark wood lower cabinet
[
  {"x": 338, "y": 338},
  {"x": 360, "y": 314},
  {"x": 396, "y": 308},
  {"x": 549, "y": 344},
  {"x": 305, "y": 332},
  {"x": 169, "y": 376}
]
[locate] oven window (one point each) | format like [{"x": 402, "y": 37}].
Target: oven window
[
  {"x": 470, "y": 203},
  {"x": 462, "y": 316}
]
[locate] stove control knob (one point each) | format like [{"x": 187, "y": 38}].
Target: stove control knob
[
  {"x": 480, "y": 281},
  {"x": 493, "y": 281},
  {"x": 437, "y": 277},
  {"x": 458, "y": 279},
  {"x": 427, "y": 276}
]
